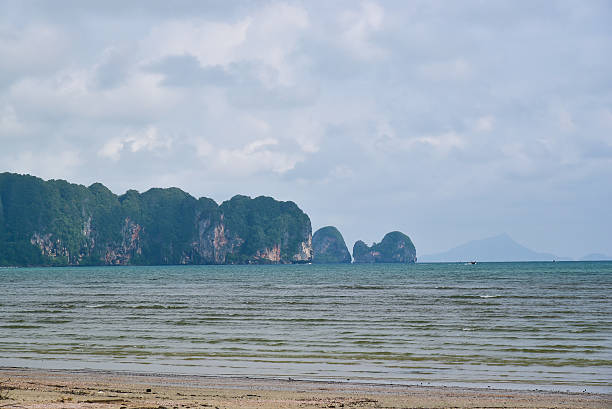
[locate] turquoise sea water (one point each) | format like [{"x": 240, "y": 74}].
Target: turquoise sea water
[{"x": 517, "y": 325}]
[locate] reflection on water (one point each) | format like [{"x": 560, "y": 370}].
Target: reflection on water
[{"x": 522, "y": 324}]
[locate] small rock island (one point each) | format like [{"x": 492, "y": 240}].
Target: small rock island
[
  {"x": 395, "y": 247},
  {"x": 328, "y": 246}
]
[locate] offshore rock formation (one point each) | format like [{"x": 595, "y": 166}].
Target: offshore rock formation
[
  {"x": 328, "y": 246},
  {"x": 395, "y": 247},
  {"x": 57, "y": 223}
]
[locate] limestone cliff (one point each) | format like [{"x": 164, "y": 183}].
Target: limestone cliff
[
  {"x": 395, "y": 247},
  {"x": 269, "y": 231},
  {"x": 328, "y": 246},
  {"x": 130, "y": 245},
  {"x": 58, "y": 223}
]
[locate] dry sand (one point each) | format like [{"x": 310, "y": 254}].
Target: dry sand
[{"x": 30, "y": 388}]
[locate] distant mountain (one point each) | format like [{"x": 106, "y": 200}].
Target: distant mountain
[
  {"x": 498, "y": 248},
  {"x": 596, "y": 257}
]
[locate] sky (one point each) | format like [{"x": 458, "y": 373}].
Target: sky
[{"x": 447, "y": 120}]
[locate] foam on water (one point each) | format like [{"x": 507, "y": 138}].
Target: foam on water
[{"x": 527, "y": 325}]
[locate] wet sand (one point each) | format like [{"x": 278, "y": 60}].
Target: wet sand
[{"x": 31, "y": 388}]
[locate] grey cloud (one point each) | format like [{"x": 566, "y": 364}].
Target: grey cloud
[
  {"x": 114, "y": 68},
  {"x": 255, "y": 96},
  {"x": 598, "y": 150},
  {"x": 67, "y": 11},
  {"x": 457, "y": 121},
  {"x": 186, "y": 71},
  {"x": 245, "y": 89}
]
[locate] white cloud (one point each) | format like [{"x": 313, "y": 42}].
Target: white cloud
[
  {"x": 341, "y": 172},
  {"x": 359, "y": 25},
  {"x": 112, "y": 149},
  {"x": 258, "y": 125},
  {"x": 203, "y": 147},
  {"x": 10, "y": 125},
  {"x": 443, "y": 142},
  {"x": 212, "y": 43},
  {"x": 484, "y": 124},
  {"x": 388, "y": 141},
  {"x": 267, "y": 36},
  {"x": 272, "y": 38},
  {"x": 261, "y": 155},
  {"x": 566, "y": 122},
  {"x": 33, "y": 49},
  {"x": 58, "y": 164},
  {"x": 456, "y": 69},
  {"x": 148, "y": 139},
  {"x": 307, "y": 132},
  {"x": 257, "y": 145},
  {"x": 73, "y": 93},
  {"x": 256, "y": 157}
]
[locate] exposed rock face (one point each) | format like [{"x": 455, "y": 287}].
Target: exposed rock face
[
  {"x": 328, "y": 246},
  {"x": 130, "y": 245},
  {"x": 269, "y": 231},
  {"x": 212, "y": 243},
  {"x": 272, "y": 255},
  {"x": 50, "y": 246},
  {"x": 305, "y": 253},
  {"x": 58, "y": 223},
  {"x": 395, "y": 247},
  {"x": 362, "y": 253}
]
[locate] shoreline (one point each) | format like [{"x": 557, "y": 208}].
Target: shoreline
[
  {"x": 333, "y": 380},
  {"x": 38, "y": 388}
]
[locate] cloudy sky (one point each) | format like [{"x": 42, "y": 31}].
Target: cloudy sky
[{"x": 447, "y": 120}]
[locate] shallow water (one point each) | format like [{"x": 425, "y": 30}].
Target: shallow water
[{"x": 517, "y": 325}]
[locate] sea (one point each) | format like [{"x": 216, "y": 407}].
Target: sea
[{"x": 499, "y": 325}]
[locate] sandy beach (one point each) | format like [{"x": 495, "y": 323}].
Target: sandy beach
[{"x": 31, "y": 388}]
